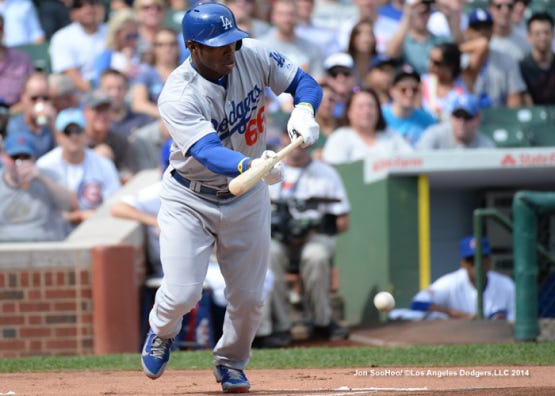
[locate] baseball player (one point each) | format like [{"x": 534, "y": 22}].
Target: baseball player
[
  {"x": 454, "y": 295},
  {"x": 213, "y": 107}
]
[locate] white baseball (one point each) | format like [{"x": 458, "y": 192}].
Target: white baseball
[{"x": 384, "y": 301}]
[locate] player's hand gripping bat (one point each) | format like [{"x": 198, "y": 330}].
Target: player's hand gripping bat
[{"x": 245, "y": 181}]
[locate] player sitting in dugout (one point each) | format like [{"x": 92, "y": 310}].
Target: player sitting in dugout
[{"x": 454, "y": 295}]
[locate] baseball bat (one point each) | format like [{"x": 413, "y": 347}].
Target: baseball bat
[{"x": 246, "y": 180}]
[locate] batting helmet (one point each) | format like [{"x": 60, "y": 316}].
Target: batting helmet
[{"x": 211, "y": 24}]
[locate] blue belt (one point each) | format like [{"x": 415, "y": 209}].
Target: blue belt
[{"x": 199, "y": 188}]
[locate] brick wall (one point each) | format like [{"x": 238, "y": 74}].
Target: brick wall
[
  {"x": 46, "y": 312},
  {"x": 79, "y": 296}
]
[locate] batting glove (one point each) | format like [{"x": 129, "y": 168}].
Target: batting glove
[
  {"x": 274, "y": 175},
  {"x": 302, "y": 122}
]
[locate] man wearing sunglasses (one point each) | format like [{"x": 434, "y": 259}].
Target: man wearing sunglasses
[
  {"x": 80, "y": 169},
  {"x": 403, "y": 114},
  {"x": 31, "y": 202},
  {"x": 460, "y": 131},
  {"x": 340, "y": 76},
  {"x": 506, "y": 38}
]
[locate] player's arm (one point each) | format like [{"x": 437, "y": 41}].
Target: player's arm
[
  {"x": 211, "y": 153},
  {"x": 305, "y": 90},
  {"x": 307, "y": 95},
  {"x": 423, "y": 304}
]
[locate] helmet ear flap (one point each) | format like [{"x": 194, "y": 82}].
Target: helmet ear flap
[{"x": 238, "y": 45}]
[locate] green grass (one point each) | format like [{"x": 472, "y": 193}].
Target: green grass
[{"x": 523, "y": 354}]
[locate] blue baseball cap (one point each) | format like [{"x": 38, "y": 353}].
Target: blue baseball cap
[
  {"x": 467, "y": 102},
  {"x": 70, "y": 116},
  {"x": 19, "y": 143},
  {"x": 467, "y": 247},
  {"x": 479, "y": 16}
]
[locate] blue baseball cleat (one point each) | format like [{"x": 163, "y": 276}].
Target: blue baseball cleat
[
  {"x": 155, "y": 356},
  {"x": 233, "y": 380}
]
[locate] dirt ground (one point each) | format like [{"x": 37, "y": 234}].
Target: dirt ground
[
  {"x": 371, "y": 380},
  {"x": 310, "y": 382}
]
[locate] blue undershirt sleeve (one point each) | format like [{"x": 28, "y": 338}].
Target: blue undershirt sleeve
[
  {"x": 210, "y": 152},
  {"x": 420, "y": 306},
  {"x": 305, "y": 88}
]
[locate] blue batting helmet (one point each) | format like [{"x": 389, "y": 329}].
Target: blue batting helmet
[{"x": 211, "y": 24}]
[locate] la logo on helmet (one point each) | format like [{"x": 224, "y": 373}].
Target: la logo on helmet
[{"x": 226, "y": 22}]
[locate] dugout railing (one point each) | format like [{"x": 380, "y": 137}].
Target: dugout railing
[{"x": 533, "y": 264}]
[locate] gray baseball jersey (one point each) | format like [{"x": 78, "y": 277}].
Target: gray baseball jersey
[
  {"x": 193, "y": 224},
  {"x": 193, "y": 107}
]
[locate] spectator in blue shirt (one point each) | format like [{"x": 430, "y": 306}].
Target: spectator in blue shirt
[{"x": 403, "y": 113}]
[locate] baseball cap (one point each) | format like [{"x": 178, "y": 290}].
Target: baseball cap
[
  {"x": 95, "y": 99},
  {"x": 381, "y": 60},
  {"x": 339, "y": 59},
  {"x": 19, "y": 143},
  {"x": 479, "y": 16},
  {"x": 467, "y": 103},
  {"x": 70, "y": 116},
  {"x": 467, "y": 246},
  {"x": 404, "y": 72}
]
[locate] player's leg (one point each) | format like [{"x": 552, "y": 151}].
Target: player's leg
[
  {"x": 242, "y": 250},
  {"x": 185, "y": 248}
]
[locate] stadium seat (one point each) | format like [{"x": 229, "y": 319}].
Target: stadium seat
[
  {"x": 541, "y": 6},
  {"x": 507, "y": 134},
  {"x": 519, "y": 115},
  {"x": 543, "y": 135},
  {"x": 473, "y": 4},
  {"x": 38, "y": 54}
]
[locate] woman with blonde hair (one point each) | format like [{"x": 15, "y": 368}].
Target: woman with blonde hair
[{"x": 121, "y": 45}]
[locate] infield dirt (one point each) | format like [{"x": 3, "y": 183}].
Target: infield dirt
[{"x": 370, "y": 380}]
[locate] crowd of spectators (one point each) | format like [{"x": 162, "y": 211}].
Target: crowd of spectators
[{"x": 397, "y": 76}]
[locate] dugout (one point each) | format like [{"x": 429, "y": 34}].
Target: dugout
[{"x": 409, "y": 212}]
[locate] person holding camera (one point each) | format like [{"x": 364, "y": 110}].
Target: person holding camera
[{"x": 310, "y": 207}]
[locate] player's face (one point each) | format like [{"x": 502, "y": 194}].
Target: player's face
[{"x": 213, "y": 62}]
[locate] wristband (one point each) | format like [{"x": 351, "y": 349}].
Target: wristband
[
  {"x": 242, "y": 165},
  {"x": 307, "y": 105}
]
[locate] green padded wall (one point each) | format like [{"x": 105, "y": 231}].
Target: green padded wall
[{"x": 380, "y": 251}]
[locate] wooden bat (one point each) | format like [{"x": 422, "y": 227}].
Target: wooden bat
[{"x": 246, "y": 180}]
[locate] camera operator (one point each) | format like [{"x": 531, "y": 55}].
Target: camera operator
[{"x": 310, "y": 208}]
